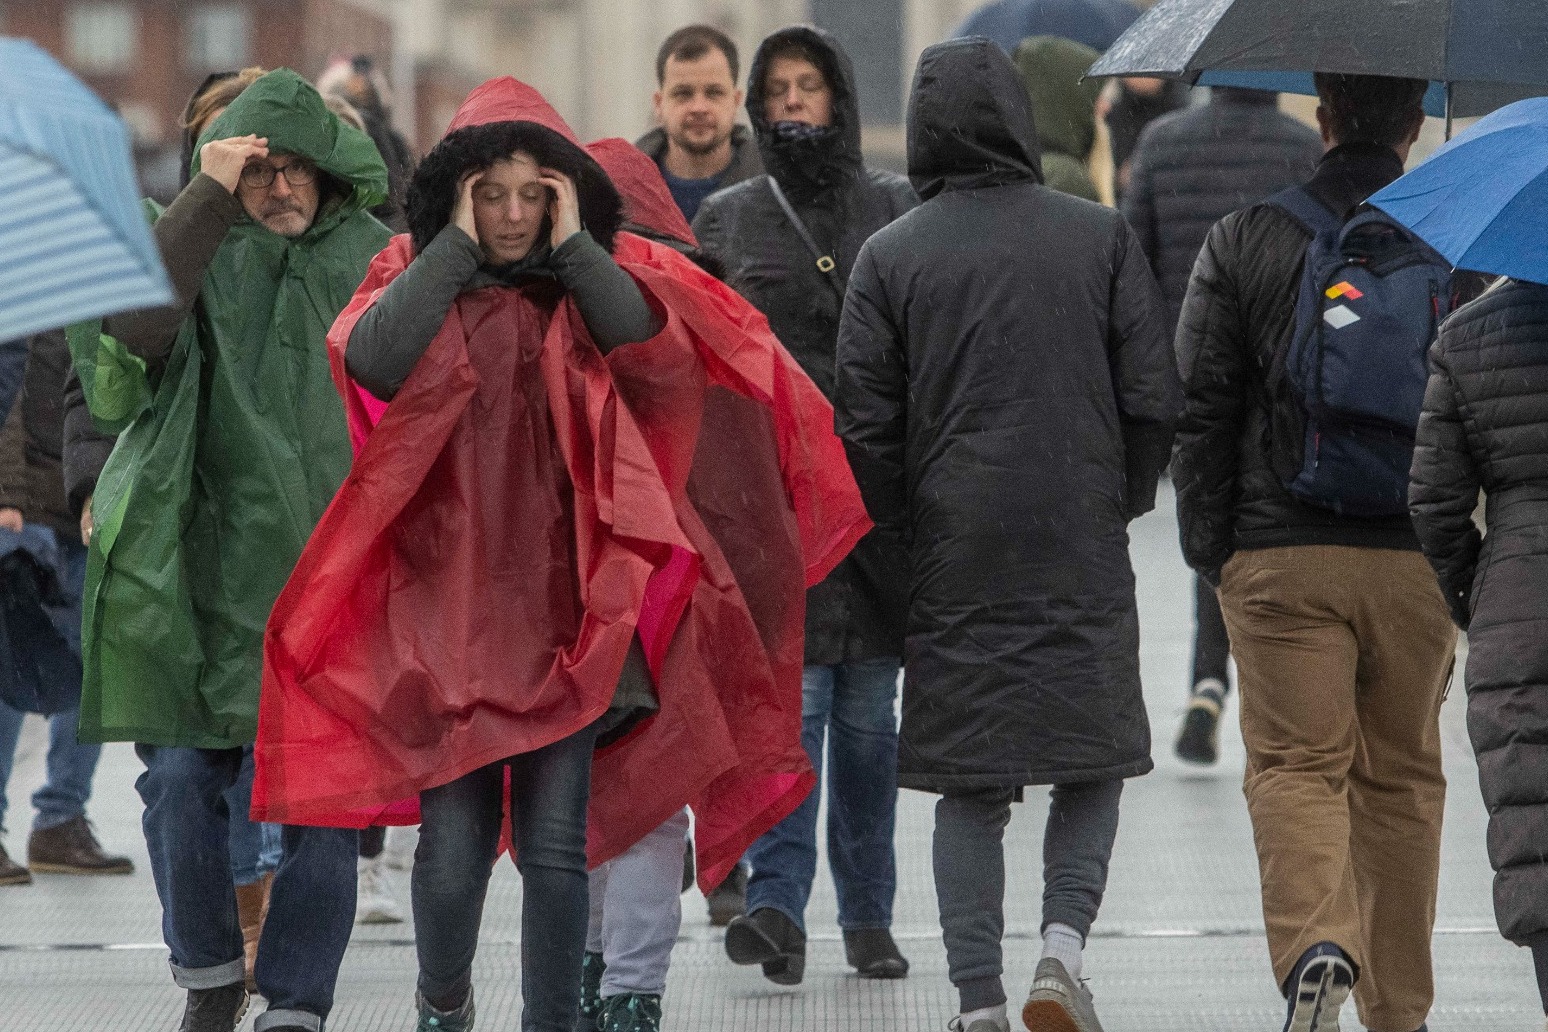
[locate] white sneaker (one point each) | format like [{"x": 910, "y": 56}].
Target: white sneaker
[
  {"x": 401, "y": 842},
  {"x": 374, "y": 903}
]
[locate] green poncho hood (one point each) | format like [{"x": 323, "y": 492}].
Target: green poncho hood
[{"x": 233, "y": 448}]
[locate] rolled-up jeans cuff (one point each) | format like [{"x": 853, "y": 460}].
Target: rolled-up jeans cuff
[
  {"x": 215, "y": 977},
  {"x": 288, "y": 1019}
]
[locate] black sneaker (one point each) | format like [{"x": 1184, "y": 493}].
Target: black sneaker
[
  {"x": 1317, "y": 989},
  {"x": 728, "y": 900},
  {"x": 215, "y": 1010},
  {"x": 631, "y": 1012},
  {"x": 1199, "y": 740},
  {"x": 592, "y": 968},
  {"x": 873, "y": 953},
  {"x": 432, "y": 1020},
  {"x": 768, "y": 937}
]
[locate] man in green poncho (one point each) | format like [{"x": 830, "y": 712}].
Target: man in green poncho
[{"x": 233, "y": 444}]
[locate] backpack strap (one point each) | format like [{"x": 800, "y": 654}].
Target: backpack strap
[{"x": 1312, "y": 214}]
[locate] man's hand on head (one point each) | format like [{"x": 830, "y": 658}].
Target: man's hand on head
[{"x": 224, "y": 160}]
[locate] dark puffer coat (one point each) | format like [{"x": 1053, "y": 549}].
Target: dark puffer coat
[
  {"x": 1193, "y": 168},
  {"x": 1485, "y": 426},
  {"x": 1007, "y": 394},
  {"x": 857, "y": 612}
]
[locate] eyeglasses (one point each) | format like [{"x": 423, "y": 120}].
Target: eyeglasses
[{"x": 261, "y": 176}]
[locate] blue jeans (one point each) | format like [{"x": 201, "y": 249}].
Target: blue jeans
[
  {"x": 70, "y": 764},
  {"x": 852, "y": 705},
  {"x": 311, "y": 907},
  {"x": 255, "y": 847},
  {"x": 458, "y": 839}
]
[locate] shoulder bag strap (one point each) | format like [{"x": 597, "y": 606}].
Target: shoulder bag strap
[{"x": 825, "y": 263}]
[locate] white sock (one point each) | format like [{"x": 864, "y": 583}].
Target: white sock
[
  {"x": 1064, "y": 944},
  {"x": 996, "y": 1014}
]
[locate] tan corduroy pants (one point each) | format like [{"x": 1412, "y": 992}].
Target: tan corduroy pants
[{"x": 1343, "y": 656}]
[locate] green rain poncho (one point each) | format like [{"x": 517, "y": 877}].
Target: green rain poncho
[{"x": 230, "y": 451}]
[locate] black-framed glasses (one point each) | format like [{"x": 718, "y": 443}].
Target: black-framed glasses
[{"x": 261, "y": 176}]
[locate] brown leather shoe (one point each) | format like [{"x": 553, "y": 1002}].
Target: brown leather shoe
[
  {"x": 252, "y": 909},
  {"x": 11, "y": 872},
  {"x": 71, "y": 848}
]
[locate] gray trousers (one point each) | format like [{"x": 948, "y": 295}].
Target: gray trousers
[
  {"x": 969, "y": 857},
  {"x": 637, "y": 911}
]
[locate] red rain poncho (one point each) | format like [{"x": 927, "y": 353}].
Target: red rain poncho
[{"x": 427, "y": 631}]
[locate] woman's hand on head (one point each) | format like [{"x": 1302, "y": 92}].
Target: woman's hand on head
[
  {"x": 462, "y": 211},
  {"x": 564, "y": 208}
]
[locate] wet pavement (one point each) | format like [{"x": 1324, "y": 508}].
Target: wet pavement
[{"x": 1179, "y": 945}]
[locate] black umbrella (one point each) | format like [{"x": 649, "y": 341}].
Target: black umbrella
[{"x": 1482, "y": 54}]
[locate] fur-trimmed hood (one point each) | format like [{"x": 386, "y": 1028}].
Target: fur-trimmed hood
[{"x": 499, "y": 118}]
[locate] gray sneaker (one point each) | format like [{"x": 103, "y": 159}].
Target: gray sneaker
[
  {"x": 1057, "y": 1003},
  {"x": 981, "y": 1025}
]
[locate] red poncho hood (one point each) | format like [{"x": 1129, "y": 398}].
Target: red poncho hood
[
  {"x": 520, "y": 511},
  {"x": 647, "y": 201}
]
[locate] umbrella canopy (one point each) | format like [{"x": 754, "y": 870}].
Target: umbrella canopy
[
  {"x": 1489, "y": 52},
  {"x": 1482, "y": 200},
  {"x": 1094, "y": 23},
  {"x": 74, "y": 243}
]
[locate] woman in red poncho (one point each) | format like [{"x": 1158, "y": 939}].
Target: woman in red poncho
[{"x": 534, "y": 554}]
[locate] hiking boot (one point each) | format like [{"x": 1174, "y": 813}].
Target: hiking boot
[
  {"x": 215, "y": 1010},
  {"x": 1317, "y": 989},
  {"x": 71, "y": 848},
  {"x": 374, "y": 902},
  {"x": 631, "y": 1012},
  {"x": 1199, "y": 740},
  {"x": 11, "y": 872},
  {"x": 592, "y": 969},
  {"x": 768, "y": 937},
  {"x": 728, "y": 900},
  {"x": 432, "y": 1020},
  {"x": 1057, "y": 1003},
  {"x": 873, "y": 953}
]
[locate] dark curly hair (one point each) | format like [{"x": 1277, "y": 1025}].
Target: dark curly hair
[
  {"x": 1371, "y": 108},
  {"x": 433, "y": 192}
]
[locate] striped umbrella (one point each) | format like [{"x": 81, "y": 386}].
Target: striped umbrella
[{"x": 74, "y": 241}]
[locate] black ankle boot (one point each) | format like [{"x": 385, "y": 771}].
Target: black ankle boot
[
  {"x": 873, "y": 953},
  {"x": 768, "y": 937},
  {"x": 215, "y": 1010}
]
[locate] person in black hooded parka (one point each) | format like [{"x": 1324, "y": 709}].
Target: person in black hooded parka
[
  {"x": 805, "y": 113},
  {"x": 1007, "y": 395},
  {"x": 1485, "y": 426}
]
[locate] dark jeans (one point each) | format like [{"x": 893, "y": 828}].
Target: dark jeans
[
  {"x": 969, "y": 858},
  {"x": 852, "y": 706},
  {"x": 458, "y": 839},
  {"x": 311, "y": 906},
  {"x": 71, "y": 764},
  {"x": 1211, "y": 646}
]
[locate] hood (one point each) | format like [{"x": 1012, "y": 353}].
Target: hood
[
  {"x": 500, "y": 117},
  {"x": 970, "y": 124},
  {"x": 647, "y": 202},
  {"x": 806, "y": 167},
  {"x": 1053, "y": 70},
  {"x": 285, "y": 108}
]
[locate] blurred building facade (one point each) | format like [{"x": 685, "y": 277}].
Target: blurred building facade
[{"x": 595, "y": 59}]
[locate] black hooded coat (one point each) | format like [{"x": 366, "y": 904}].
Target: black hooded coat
[
  {"x": 1007, "y": 394},
  {"x": 857, "y": 612}
]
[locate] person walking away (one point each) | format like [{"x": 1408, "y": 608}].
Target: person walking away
[
  {"x": 787, "y": 240},
  {"x": 1023, "y": 627},
  {"x": 698, "y": 146},
  {"x": 359, "y": 83},
  {"x": 1341, "y": 638},
  {"x": 546, "y": 386},
  {"x": 32, "y": 492},
  {"x": 1191, "y": 169},
  {"x": 1481, "y": 431},
  {"x": 1053, "y": 70},
  {"x": 241, "y": 440}
]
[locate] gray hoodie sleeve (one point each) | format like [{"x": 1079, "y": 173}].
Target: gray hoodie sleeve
[
  {"x": 394, "y": 333},
  {"x": 609, "y": 300}
]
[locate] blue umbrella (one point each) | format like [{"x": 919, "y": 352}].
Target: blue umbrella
[
  {"x": 1095, "y": 23},
  {"x": 1482, "y": 200},
  {"x": 74, "y": 243}
]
